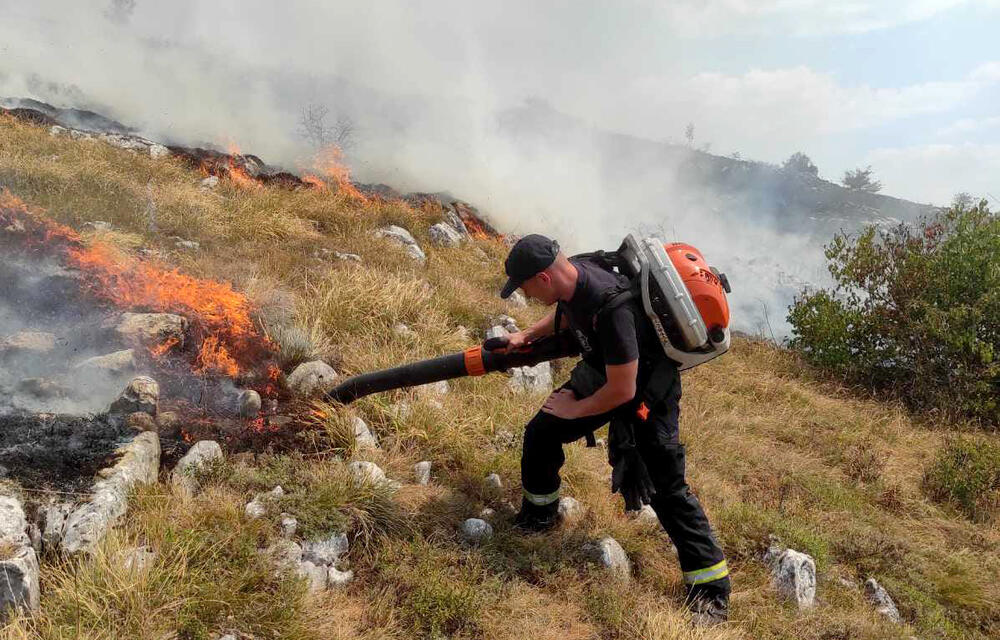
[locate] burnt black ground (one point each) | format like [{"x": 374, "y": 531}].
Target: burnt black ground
[{"x": 58, "y": 452}]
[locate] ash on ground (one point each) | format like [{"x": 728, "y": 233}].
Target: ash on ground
[{"x": 58, "y": 452}]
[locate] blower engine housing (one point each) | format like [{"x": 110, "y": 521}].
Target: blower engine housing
[{"x": 683, "y": 296}]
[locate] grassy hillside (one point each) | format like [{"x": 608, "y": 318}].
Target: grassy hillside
[{"x": 772, "y": 450}]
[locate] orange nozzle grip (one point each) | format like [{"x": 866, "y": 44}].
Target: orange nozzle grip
[{"x": 474, "y": 361}]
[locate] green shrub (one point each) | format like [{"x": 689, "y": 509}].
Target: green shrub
[
  {"x": 915, "y": 312},
  {"x": 966, "y": 473}
]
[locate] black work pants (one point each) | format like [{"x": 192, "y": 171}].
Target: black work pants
[{"x": 701, "y": 558}]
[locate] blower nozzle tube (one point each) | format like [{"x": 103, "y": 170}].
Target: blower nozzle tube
[{"x": 476, "y": 361}]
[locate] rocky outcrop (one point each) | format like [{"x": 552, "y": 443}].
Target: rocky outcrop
[
  {"x": 19, "y": 583},
  {"x": 151, "y": 329},
  {"x": 117, "y": 362},
  {"x": 403, "y": 238},
  {"x": 257, "y": 507},
  {"x": 142, "y": 394},
  {"x": 422, "y": 472},
  {"x": 881, "y": 600},
  {"x": 477, "y": 530},
  {"x": 443, "y": 235},
  {"x": 138, "y": 463}
]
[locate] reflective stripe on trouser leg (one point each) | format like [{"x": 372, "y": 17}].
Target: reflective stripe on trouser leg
[
  {"x": 708, "y": 574},
  {"x": 541, "y": 499}
]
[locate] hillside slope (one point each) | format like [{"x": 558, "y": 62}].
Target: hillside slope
[{"x": 772, "y": 451}]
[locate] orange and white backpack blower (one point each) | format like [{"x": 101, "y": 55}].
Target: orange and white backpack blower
[{"x": 684, "y": 298}]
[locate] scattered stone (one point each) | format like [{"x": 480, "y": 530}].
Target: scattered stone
[
  {"x": 138, "y": 559},
  {"x": 55, "y": 131},
  {"x": 793, "y": 575},
  {"x": 168, "y": 424},
  {"x": 570, "y": 509},
  {"x": 157, "y": 151},
  {"x": 312, "y": 378},
  {"x": 440, "y": 388},
  {"x": 19, "y": 579},
  {"x": 517, "y": 299},
  {"x": 286, "y": 554},
  {"x": 139, "y": 463},
  {"x": 201, "y": 454},
  {"x": 504, "y": 439},
  {"x": 248, "y": 403},
  {"x": 496, "y": 331},
  {"x": 487, "y": 514},
  {"x": 422, "y": 472},
  {"x": 96, "y": 225},
  {"x": 152, "y": 329},
  {"x": 363, "y": 437},
  {"x": 476, "y": 530},
  {"x": 403, "y": 331},
  {"x": 129, "y": 143},
  {"x": 610, "y": 555},
  {"x": 881, "y": 600},
  {"x": 455, "y": 221},
  {"x": 494, "y": 482},
  {"x": 289, "y": 525},
  {"x": 55, "y": 521},
  {"x": 536, "y": 379},
  {"x": 257, "y": 508},
  {"x": 336, "y": 578},
  {"x": 314, "y": 576},
  {"x": 403, "y": 238},
  {"x": 347, "y": 257},
  {"x": 363, "y": 471},
  {"x": 443, "y": 235},
  {"x": 507, "y": 323},
  {"x": 645, "y": 516},
  {"x": 326, "y": 551},
  {"x": 187, "y": 245},
  {"x": 140, "y": 421},
  {"x": 210, "y": 182},
  {"x": 141, "y": 394},
  {"x": 34, "y": 342},
  {"x": 117, "y": 362}
]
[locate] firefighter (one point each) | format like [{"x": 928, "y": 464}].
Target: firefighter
[{"x": 625, "y": 379}]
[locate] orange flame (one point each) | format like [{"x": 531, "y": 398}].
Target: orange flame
[
  {"x": 330, "y": 163},
  {"x": 237, "y": 173},
  {"x": 219, "y": 316}
]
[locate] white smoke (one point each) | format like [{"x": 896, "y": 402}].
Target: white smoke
[{"x": 437, "y": 96}]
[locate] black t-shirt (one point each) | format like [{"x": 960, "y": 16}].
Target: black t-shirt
[{"x": 619, "y": 335}]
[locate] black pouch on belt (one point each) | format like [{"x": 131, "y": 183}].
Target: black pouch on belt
[{"x": 585, "y": 380}]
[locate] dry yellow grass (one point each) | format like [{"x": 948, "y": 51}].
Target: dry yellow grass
[{"x": 772, "y": 450}]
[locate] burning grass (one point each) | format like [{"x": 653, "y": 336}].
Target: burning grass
[{"x": 771, "y": 449}]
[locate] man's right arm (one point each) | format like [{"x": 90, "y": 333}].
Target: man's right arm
[{"x": 542, "y": 328}]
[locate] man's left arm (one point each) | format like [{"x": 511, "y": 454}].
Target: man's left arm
[{"x": 621, "y": 351}]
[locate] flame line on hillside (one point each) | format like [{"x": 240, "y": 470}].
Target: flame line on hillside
[{"x": 219, "y": 316}]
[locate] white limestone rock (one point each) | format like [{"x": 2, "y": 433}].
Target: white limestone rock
[
  {"x": 138, "y": 463},
  {"x": 157, "y": 151},
  {"x": 570, "y": 509},
  {"x": 151, "y": 329},
  {"x": 199, "y": 456},
  {"x": 610, "y": 555},
  {"x": 117, "y": 362},
  {"x": 364, "y": 440},
  {"x": 443, "y": 235},
  {"x": 422, "y": 472},
  {"x": 536, "y": 379},
  {"x": 793, "y": 574},
  {"x": 404, "y": 239},
  {"x": 326, "y": 551},
  {"x": 257, "y": 508},
  {"x": 494, "y": 482},
  {"x": 881, "y": 600},
  {"x": 477, "y": 530},
  {"x": 142, "y": 394},
  {"x": 315, "y": 576},
  {"x": 312, "y": 378},
  {"x": 336, "y": 579},
  {"x": 363, "y": 471}
]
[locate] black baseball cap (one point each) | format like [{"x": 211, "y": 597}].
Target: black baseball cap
[{"x": 530, "y": 255}]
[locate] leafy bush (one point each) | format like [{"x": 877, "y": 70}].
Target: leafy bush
[
  {"x": 915, "y": 312},
  {"x": 966, "y": 474}
]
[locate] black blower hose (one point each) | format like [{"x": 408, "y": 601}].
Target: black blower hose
[{"x": 476, "y": 361}]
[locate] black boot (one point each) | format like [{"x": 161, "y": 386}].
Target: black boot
[
  {"x": 709, "y": 602},
  {"x": 534, "y": 518}
]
